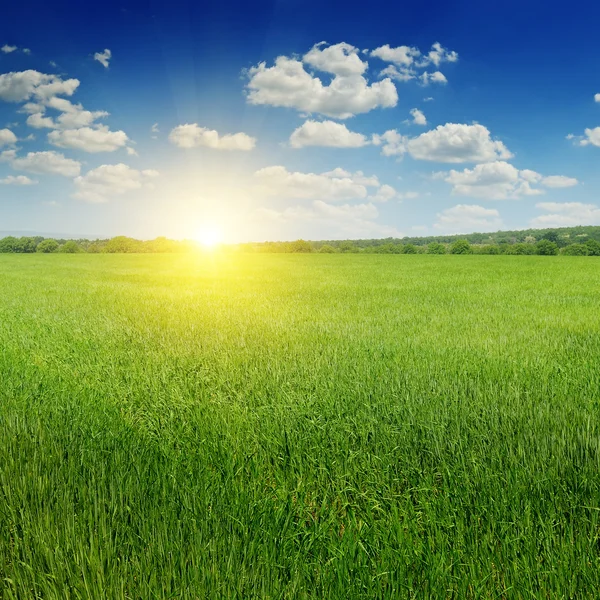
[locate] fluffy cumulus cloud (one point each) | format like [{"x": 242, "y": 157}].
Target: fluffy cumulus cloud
[
  {"x": 407, "y": 62},
  {"x": 464, "y": 218},
  {"x": 492, "y": 181},
  {"x": 341, "y": 221},
  {"x": 332, "y": 186},
  {"x": 7, "y": 137},
  {"x": 592, "y": 137},
  {"x": 289, "y": 84},
  {"x": 7, "y": 49},
  {"x": 392, "y": 143},
  {"x": 326, "y": 133},
  {"x": 457, "y": 143},
  {"x": 71, "y": 115},
  {"x": 191, "y": 135},
  {"x": 566, "y": 214},
  {"x": 51, "y": 163},
  {"x": 100, "y": 139},
  {"x": 596, "y": 97},
  {"x": 103, "y": 57},
  {"x": 17, "y": 180},
  {"x": 500, "y": 180},
  {"x": 105, "y": 182},
  {"x": 418, "y": 117},
  {"x": 23, "y": 85}
]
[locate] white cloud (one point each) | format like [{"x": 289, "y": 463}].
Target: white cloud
[
  {"x": 103, "y": 57},
  {"x": 26, "y": 51},
  {"x": 38, "y": 121},
  {"x": 439, "y": 54},
  {"x": 596, "y": 97},
  {"x": 8, "y": 49},
  {"x": 8, "y": 155},
  {"x": 334, "y": 185},
  {"x": 466, "y": 218},
  {"x": 191, "y": 135},
  {"x": 457, "y": 143},
  {"x": 435, "y": 77},
  {"x": 492, "y": 181},
  {"x": 559, "y": 181},
  {"x": 17, "y": 180},
  {"x": 592, "y": 137},
  {"x": 131, "y": 151},
  {"x": 418, "y": 117},
  {"x": 288, "y": 84},
  {"x": 7, "y": 137},
  {"x": 384, "y": 194},
  {"x": 428, "y": 99},
  {"x": 22, "y": 85},
  {"x": 326, "y": 133},
  {"x": 403, "y": 56},
  {"x": 155, "y": 128},
  {"x": 342, "y": 221},
  {"x": 340, "y": 59},
  {"x": 49, "y": 162},
  {"x": 392, "y": 143},
  {"x": 566, "y": 214},
  {"x": 107, "y": 181},
  {"x": 87, "y": 139}
]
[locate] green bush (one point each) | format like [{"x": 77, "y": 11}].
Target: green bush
[
  {"x": 409, "y": 249},
  {"x": 461, "y": 247},
  {"x": 593, "y": 248},
  {"x": 546, "y": 248},
  {"x": 47, "y": 246},
  {"x": 436, "y": 248},
  {"x": 575, "y": 250},
  {"x": 327, "y": 249},
  {"x": 70, "y": 247}
]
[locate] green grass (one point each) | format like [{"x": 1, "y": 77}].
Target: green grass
[{"x": 285, "y": 426}]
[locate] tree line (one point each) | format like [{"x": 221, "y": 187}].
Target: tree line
[{"x": 573, "y": 241}]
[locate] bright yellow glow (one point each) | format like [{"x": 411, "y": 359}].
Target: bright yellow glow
[{"x": 209, "y": 236}]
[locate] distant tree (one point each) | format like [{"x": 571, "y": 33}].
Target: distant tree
[
  {"x": 551, "y": 236},
  {"x": 523, "y": 248},
  {"x": 593, "y": 247},
  {"x": 47, "y": 246},
  {"x": 25, "y": 245},
  {"x": 8, "y": 244},
  {"x": 530, "y": 239},
  {"x": 327, "y": 249},
  {"x": 461, "y": 247},
  {"x": 575, "y": 250},
  {"x": 348, "y": 246},
  {"x": 70, "y": 247},
  {"x": 301, "y": 246},
  {"x": 409, "y": 249},
  {"x": 122, "y": 244},
  {"x": 436, "y": 248},
  {"x": 546, "y": 247}
]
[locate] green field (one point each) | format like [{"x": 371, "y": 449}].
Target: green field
[{"x": 299, "y": 426}]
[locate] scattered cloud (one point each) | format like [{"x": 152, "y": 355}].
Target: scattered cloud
[
  {"x": 18, "y": 180},
  {"x": 596, "y": 97},
  {"x": 435, "y": 77},
  {"x": 103, "y": 183},
  {"x": 103, "y": 57},
  {"x": 288, "y": 84},
  {"x": 154, "y": 128},
  {"x": 418, "y": 117},
  {"x": 336, "y": 185},
  {"x": 428, "y": 99},
  {"x": 457, "y": 143},
  {"x": 464, "y": 218},
  {"x": 7, "y": 137},
  {"x": 493, "y": 181},
  {"x": 384, "y": 194},
  {"x": 592, "y": 137},
  {"x": 23, "y": 85},
  {"x": 566, "y": 214},
  {"x": 392, "y": 143},
  {"x": 87, "y": 139},
  {"x": 191, "y": 135},
  {"x": 8, "y": 49},
  {"x": 326, "y": 133},
  {"x": 559, "y": 181},
  {"x": 48, "y": 162}
]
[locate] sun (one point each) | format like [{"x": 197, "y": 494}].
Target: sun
[{"x": 209, "y": 236}]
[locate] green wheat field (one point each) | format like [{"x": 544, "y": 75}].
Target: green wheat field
[{"x": 299, "y": 426}]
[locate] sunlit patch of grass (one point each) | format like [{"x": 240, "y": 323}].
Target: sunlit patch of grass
[{"x": 280, "y": 426}]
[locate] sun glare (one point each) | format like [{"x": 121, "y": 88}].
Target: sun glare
[{"x": 209, "y": 237}]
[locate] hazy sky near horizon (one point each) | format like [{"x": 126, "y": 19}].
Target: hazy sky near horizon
[{"x": 284, "y": 119}]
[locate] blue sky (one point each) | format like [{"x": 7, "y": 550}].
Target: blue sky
[{"x": 279, "y": 120}]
